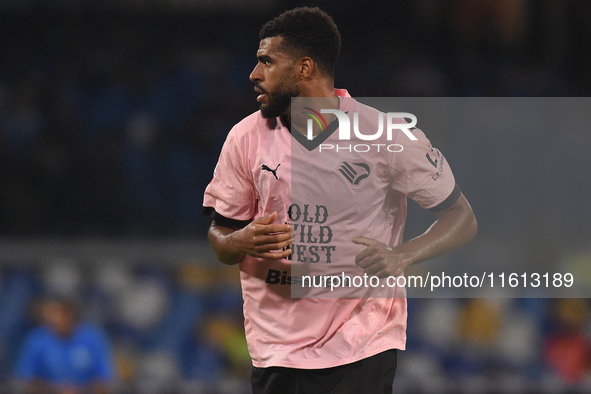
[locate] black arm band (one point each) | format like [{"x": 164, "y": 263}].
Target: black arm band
[
  {"x": 449, "y": 201},
  {"x": 222, "y": 220}
]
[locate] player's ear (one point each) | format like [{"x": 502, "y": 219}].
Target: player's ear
[{"x": 305, "y": 67}]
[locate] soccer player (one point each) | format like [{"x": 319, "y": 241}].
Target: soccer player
[{"x": 341, "y": 208}]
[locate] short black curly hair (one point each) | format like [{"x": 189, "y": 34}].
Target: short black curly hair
[{"x": 307, "y": 32}]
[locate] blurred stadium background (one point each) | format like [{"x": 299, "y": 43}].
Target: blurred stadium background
[{"x": 113, "y": 113}]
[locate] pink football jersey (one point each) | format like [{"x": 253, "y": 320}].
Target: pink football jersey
[{"x": 328, "y": 195}]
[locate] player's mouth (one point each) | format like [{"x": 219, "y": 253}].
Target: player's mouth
[{"x": 261, "y": 92}]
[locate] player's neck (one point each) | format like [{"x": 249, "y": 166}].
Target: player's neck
[
  {"x": 324, "y": 89},
  {"x": 315, "y": 89}
]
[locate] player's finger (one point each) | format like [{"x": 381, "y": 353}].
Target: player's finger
[
  {"x": 374, "y": 268},
  {"x": 267, "y": 219},
  {"x": 271, "y": 239},
  {"x": 273, "y": 228},
  {"x": 364, "y": 254},
  {"x": 274, "y": 246},
  {"x": 274, "y": 255},
  {"x": 370, "y": 261},
  {"x": 364, "y": 241}
]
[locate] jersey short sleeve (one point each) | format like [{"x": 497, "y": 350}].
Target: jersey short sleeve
[
  {"x": 422, "y": 173},
  {"x": 230, "y": 194}
]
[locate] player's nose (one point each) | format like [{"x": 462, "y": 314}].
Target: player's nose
[{"x": 256, "y": 75}]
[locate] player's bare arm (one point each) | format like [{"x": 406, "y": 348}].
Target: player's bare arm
[
  {"x": 454, "y": 227},
  {"x": 260, "y": 238}
]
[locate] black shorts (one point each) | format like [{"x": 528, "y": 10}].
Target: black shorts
[{"x": 373, "y": 375}]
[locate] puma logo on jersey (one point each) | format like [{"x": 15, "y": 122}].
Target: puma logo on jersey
[
  {"x": 267, "y": 168},
  {"x": 354, "y": 172}
]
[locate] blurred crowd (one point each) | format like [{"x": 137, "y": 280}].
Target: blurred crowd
[
  {"x": 489, "y": 345},
  {"x": 172, "y": 329}
]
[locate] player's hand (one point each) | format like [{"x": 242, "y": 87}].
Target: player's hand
[
  {"x": 379, "y": 259},
  {"x": 262, "y": 238}
]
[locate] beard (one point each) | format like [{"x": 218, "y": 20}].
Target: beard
[{"x": 280, "y": 98}]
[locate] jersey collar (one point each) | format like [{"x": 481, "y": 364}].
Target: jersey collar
[{"x": 323, "y": 136}]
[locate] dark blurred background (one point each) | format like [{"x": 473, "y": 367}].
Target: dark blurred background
[{"x": 112, "y": 116}]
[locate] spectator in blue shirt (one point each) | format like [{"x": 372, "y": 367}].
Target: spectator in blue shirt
[{"x": 64, "y": 355}]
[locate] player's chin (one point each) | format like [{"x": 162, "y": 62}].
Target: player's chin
[{"x": 267, "y": 112}]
